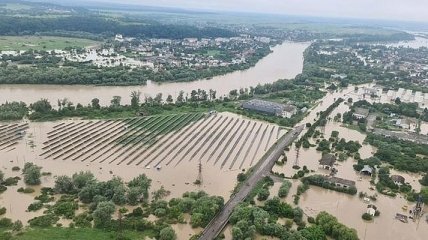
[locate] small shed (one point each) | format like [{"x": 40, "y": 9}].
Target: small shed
[
  {"x": 327, "y": 161},
  {"x": 367, "y": 170},
  {"x": 398, "y": 179}
]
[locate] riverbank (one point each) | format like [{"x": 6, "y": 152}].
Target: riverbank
[{"x": 285, "y": 62}]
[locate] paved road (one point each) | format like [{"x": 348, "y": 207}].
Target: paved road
[{"x": 261, "y": 170}]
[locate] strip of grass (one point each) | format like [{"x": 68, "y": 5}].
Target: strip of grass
[
  {"x": 9, "y": 43},
  {"x": 78, "y": 233}
]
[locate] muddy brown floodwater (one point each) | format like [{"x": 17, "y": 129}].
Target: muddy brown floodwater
[
  {"x": 285, "y": 62},
  {"x": 348, "y": 209},
  {"x": 65, "y": 141}
]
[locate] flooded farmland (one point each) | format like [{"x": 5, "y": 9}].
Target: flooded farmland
[
  {"x": 167, "y": 149},
  {"x": 285, "y": 62}
]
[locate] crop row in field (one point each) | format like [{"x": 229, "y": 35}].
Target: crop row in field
[
  {"x": 223, "y": 140},
  {"x": 10, "y": 135}
]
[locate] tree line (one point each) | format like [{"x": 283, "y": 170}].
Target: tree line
[{"x": 11, "y": 25}]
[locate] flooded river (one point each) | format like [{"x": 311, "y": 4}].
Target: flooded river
[{"x": 285, "y": 62}]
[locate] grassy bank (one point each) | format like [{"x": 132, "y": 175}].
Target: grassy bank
[
  {"x": 78, "y": 233},
  {"x": 9, "y": 43}
]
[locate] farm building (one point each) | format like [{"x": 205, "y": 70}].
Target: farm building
[
  {"x": 360, "y": 113},
  {"x": 367, "y": 170},
  {"x": 272, "y": 108},
  {"x": 327, "y": 161},
  {"x": 340, "y": 182},
  {"x": 399, "y": 180}
]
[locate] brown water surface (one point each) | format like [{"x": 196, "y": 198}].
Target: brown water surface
[{"x": 285, "y": 62}]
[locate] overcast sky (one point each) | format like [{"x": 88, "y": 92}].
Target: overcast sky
[{"x": 377, "y": 9}]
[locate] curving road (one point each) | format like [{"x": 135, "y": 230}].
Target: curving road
[{"x": 214, "y": 228}]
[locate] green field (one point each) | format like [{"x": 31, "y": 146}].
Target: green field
[
  {"x": 15, "y": 6},
  {"x": 77, "y": 233},
  {"x": 213, "y": 53},
  {"x": 9, "y": 43}
]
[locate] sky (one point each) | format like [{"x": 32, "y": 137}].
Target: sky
[{"x": 412, "y": 10}]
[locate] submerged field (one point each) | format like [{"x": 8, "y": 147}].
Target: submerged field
[
  {"x": 222, "y": 140},
  {"x": 169, "y": 149},
  {"x": 17, "y": 43}
]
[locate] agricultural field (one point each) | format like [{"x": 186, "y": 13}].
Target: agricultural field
[
  {"x": 15, "y": 6},
  {"x": 169, "y": 149},
  {"x": 10, "y": 135},
  {"x": 222, "y": 140},
  {"x": 18, "y": 43}
]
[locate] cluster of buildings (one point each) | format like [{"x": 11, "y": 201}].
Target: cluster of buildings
[
  {"x": 191, "y": 52},
  {"x": 408, "y": 96},
  {"x": 157, "y": 54}
]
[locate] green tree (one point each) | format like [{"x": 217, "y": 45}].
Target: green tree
[
  {"x": 115, "y": 101},
  {"x": 180, "y": 97},
  {"x": 135, "y": 99},
  {"x": 134, "y": 195},
  {"x": 397, "y": 101},
  {"x": 31, "y": 174},
  {"x": 169, "y": 99},
  {"x": 64, "y": 184},
  {"x": 424, "y": 180},
  {"x": 263, "y": 194},
  {"x": 142, "y": 182},
  {"x": 17, "y": 226},
  {"x": 158, "y": 98},
  {"x": 237, "y": 233},
  {"x": 102, "y": 214},
  {"x": 95, "y": 103},
  {"x": 82, "y": 179},
  {"x": 167, "y": 233},
  {"x": 284, "y": 189},
  {"x": 41, "y": 106}
]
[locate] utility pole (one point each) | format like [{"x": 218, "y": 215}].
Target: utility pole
[
  {"x": 119, "y": 230},
  {"x": 296, "y": 161},
  {"x": 200, "y": 172}
]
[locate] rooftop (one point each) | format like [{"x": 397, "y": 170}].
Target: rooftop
[
  {"x": 266, "y": 105},
  {"x": 367, "y": 169},
  {"x": 362, "y": 111},
  {"x": 328, "y": 159},
  {"x": 398, "y": 178},
  {"x": 341, "y": 181}
]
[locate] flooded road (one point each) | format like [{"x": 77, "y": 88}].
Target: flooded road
[{"x": 285, "y": 62}]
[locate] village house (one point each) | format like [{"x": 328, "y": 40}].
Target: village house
[
  {"x": 327, "y": 161},
  {"x": 398, "y": 180},
  {"x": 271, "y": 108},
  {"x": 405, "y": 123},
  {"x": 340, "y": 182},
  {"x": 360, "y": 113},
  {"x": 367, "y": 170}
]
